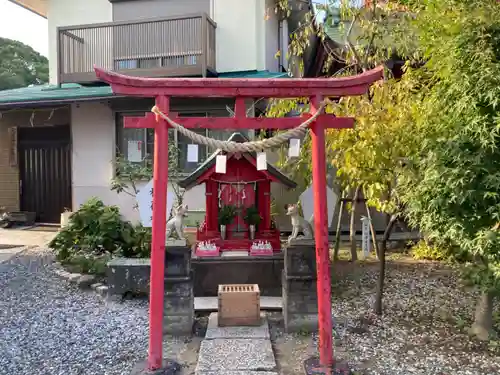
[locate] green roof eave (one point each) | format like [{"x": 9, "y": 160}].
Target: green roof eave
[
  {"x": 253, "y": 74},
  {"x": 73, "y": 92},
  {"x": 51, "y": 94}
]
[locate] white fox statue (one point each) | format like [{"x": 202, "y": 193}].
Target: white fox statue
[
  {"x": 298, "y": 223},
  {"x": 177, "y": 222}
]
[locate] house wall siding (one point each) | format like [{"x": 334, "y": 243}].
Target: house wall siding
[
  {"x": 143, "y": 9},
  {"x": 69, "y": 13},
  {"x": 93, "y": 130},
  {"x": 246, "y": 35},
  {"x": 9, "y": 175}
]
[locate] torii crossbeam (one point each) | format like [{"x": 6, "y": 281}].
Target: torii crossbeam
[{"x": 162, "y": 89}]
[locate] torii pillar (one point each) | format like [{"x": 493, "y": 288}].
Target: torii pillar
[{"x": 162, "y": 89}]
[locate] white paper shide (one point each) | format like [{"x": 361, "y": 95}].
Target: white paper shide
[
  {"x": 207, "y": 246},
  {"x": 261, "y": 246}
]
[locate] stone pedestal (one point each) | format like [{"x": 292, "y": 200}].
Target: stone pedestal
[
  {"x": 300, "y": 302},
  {"x": 177, "y": 261},
  {"x": 178, "y": 313},
  {"x": 128, "y": 275}
]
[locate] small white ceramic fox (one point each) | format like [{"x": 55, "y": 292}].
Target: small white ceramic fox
[
  {"x": 298, "y": 223},
  {"x": 177, "y": 222}
]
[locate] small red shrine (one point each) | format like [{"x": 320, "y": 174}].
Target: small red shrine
[{"x": 242, "y": 186}]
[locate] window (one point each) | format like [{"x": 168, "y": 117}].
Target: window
[
  {"x": 137, "y": 145},
  {"x": 125, "y": 64}
]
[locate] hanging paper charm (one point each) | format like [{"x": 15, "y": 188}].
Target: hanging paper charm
[
  {"x": 294, "y": 149},
  {"x": 261, "y": 161},
  {"x": 220, "y": 164}
]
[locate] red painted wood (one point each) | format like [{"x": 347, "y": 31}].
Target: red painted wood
[
  {"x": 221, "y": 123},
  {"x": 240, "y": 87},
  {"x": 266, "y": 198},
  {"x": 138, "y": 122},
  {"x": 160, "y": 181},
  {"x": 240, "y": 111},
  {"x": 321, "y": 237},
  {"x": 222, "y": 92},
  {"x": 229, "y": 176},
  {"x": 210, "y": 214}
]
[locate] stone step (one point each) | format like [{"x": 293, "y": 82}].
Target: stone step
[
  {"x": 237, "y": 373},
  {"x": 216, "y": 332},
  {"x": 224, "y": 356}
]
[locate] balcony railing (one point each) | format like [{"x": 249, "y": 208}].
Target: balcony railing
[{"x": 162, "y": 47}]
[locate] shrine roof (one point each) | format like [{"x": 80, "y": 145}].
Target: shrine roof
[{"x": 193, "y": 178}]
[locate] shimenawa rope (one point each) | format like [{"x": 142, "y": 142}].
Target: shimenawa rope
[{"x": 254, "y": 146}]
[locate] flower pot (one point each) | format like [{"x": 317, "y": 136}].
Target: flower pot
[
  {"x": 252, "y": 231},
  {"x": 223, "y": 232},
  {"x": 65, "y": 218}
]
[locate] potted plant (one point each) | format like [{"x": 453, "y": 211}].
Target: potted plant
[
  {"x": 252, "y": 218},
  {"x": 65, "y": 217},
  {"x": 226, "y": 215}
]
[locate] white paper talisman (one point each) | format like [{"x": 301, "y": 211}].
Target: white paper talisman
[
  {"x": 192, "y": 153},
  {"x": 261, "y": 161},
  {"x": 294, "y": 148},
  {"x": 220, "y": 164}
]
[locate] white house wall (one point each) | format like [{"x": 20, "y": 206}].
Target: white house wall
[
  {"x": 246, "y": 36},
  {"x": 93, "y": 145},
  {"x": 69, "y": 13}
]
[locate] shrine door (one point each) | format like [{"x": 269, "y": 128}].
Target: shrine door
[{"x": 241, "y": 196}]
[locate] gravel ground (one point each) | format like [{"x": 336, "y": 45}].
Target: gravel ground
[
  {"x": 49, "y": 327},
  {"x": 422, "y": 332}
]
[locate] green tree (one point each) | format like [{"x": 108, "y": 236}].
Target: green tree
[
  {"x": 454, "y": 192},
  {"x": 21, "y": 65},
  {"x": 128, "y": 174},
  {"x": 369, "y": 157},
  {"x": 373, "y": 155}
]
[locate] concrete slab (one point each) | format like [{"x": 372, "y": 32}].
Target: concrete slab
[
  {"x": 31, "y": 237},
  {"x": 216, "y": 332},
  {"x": 212, "y": 304},
  {"x": 9, "y": 251},
  {"x": 232, "y": 253},
  {"x": 235, "y": 355}
]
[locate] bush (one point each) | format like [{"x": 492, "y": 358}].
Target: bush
[
  {"x": 424, "y": 251},
  {"x": 97, "y": 232}
]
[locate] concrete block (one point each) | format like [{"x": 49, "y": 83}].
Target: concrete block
[
  {"x": 236, "y": 355},
  {"x": 216, "y": 332}
]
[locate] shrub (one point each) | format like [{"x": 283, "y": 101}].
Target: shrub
[
  {"x": 424, "y": 251},
  {"x": 97, "y": 232}
]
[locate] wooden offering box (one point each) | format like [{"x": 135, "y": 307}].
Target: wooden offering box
[{"x": 239, "y": 305}]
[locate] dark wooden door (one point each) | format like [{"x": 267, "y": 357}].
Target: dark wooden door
[{"x": 45, "y": 171}]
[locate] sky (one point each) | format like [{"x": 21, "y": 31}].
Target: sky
[{"x": 20, "y": 24}]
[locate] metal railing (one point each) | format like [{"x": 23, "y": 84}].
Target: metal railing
[{"x": 160, "y": 47}]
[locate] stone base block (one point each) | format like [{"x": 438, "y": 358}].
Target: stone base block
[
  {"x": 128, "y": 275},
  {"x": 300, "y": 305},
  {"x": 177, "y": 324},
  {"x": 238, "y": 332},
  {"x": 228, "y": 355},
  {"x": 178, "y": 310},
  {"x": 300, "y": 259},
  {"x": 300, "y": 323},
  {"x": 131, "y": 275}
]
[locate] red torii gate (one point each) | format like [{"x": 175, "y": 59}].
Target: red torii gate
[{"x": 162, "y": 89}]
